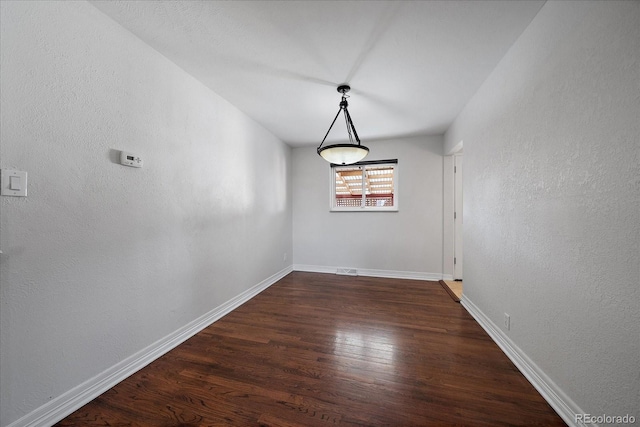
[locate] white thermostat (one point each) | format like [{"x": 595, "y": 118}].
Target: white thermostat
[{"x": 129, "y": 159}]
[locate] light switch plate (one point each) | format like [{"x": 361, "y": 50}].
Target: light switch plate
[{"x": 13, "y": 179}]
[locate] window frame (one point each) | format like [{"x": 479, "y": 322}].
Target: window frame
[{"x": 363, "y": 208}]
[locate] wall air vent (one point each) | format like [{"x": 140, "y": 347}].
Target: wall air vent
[{"x": 347, "y": 271}]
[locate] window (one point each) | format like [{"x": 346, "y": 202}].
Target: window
[{"x": 365, "y": 186}]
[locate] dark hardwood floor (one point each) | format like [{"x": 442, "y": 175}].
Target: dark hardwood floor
[{"x": 321, "y": 349}]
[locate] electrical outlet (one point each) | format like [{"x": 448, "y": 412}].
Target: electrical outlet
[
  {"x": 284, "y": 257},
  {"x": 507, "y": 322}
]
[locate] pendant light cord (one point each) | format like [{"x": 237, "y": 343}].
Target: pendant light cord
[
  {"x": 347, "y": 119},
  {"x": 332, "y": 123},
  {"x": 350, "y": 126}
]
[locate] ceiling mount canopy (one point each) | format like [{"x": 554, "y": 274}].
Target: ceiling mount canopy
[{"x": 347, "y": 153}]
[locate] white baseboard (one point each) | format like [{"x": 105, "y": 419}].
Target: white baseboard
[
  {"x": 391, "y": 274},
  {"x": 447, "y": 277},
  {"x": 63, "y": 405},
  {"x": 315, "y": 268},
  {"x": 559, "y": 401}
]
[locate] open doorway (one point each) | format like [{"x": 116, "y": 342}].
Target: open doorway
[
  {"x": 453, "y": 225},
  {"x": 457, "y": 218}
]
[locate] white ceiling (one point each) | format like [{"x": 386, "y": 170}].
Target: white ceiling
[{"x": 412, "y": 65}]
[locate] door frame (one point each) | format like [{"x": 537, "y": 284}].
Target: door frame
[
  {"x": 448, "y": 211},
  {"x": 458, "y": 167}
]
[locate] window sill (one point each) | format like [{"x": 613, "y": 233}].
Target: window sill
[{"x": 394, "y": 209}]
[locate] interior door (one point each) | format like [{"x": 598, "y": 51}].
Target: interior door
[{"x": 458, "y": 218}]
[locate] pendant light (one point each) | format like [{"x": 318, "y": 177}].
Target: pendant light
[{"x": 347, "y": 153}]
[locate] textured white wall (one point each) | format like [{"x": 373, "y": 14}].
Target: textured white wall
[
  {"x": 552, "y": 199},
  {"x": 102, "y": 260},
  {"x": 409, "y": 240}
]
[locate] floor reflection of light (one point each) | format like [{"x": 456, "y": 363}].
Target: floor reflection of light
[{"x": 372, "y": 346}]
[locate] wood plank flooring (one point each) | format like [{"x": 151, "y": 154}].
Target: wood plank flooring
[
  {"x": 454, "y": 288},
  {"x": 327, "y": 350}
]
